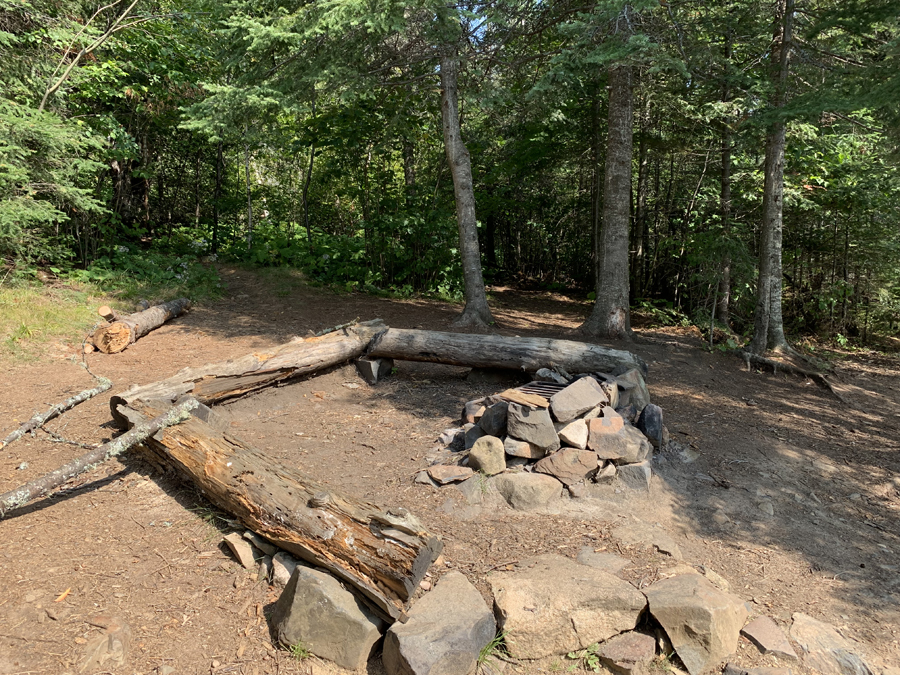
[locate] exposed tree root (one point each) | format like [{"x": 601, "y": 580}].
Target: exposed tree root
[{"x": 789, "y": 368}]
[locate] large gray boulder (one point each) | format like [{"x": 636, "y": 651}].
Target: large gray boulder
[
  {"x": 576, "y": 399},
  {"x": 447, "y": 629},
  {"x": 533, "y": 425},
  {"x": 824, "y": 650},
  {"x": 569, "y": 465},
  {"x": 702, "y": 622},
  {"x": 555, "y": 605},
  {"x": 527, "y": 491},
  {"x": 318, "y": 611},
  {"x": 493, "y": 421},
  {"x": 633, "y": 381}
]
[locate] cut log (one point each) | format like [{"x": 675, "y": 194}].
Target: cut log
[
  {"x": 15, "y": 499},
  {"x": 108, "y": 313},
  {"x": 496, "y": 351},
  {"x": 125, "y": 330},
  {"x": 216, "y": 382},
  {"x": 383, "y": 555}
]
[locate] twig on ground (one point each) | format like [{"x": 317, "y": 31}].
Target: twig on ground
[
  {"x": 39, "y": 420},
  {"x": 38, "y": 487}
]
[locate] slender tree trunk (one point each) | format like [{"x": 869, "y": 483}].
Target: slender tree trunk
[
  {"x": 611, "y": 315},
  {"x": 596, "y": 193},
  {"x": 214, "y": 246},
  {"x": 768, "y": 328},
  {"x": 306, "y": 182},
  {"x": 640, "y": 216},
  {"x": 249, "y": 199},
  {"x": 476, "y": 313},
  {"x": 723, "y": 306}
]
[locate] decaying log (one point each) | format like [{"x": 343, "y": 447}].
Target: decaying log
[
  {"x": 39, "y": 420},
  {"x": 383, "y": 555},
  {"x": 19, "y": 497},
  {"x": 216, "y": 382},
  {"x": 125, "y": 330},
  {"x": 496, "y": 351}
]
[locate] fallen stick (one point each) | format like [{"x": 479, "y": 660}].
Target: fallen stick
[
  {"x": 40, "y": 420},
  {"x": 125, "y": 330},
  {"x": 15, "y": 499}
]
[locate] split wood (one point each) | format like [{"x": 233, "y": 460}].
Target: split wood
[
  {"x": 38, "y": 487},
  {"x": 39, "y": 420}
]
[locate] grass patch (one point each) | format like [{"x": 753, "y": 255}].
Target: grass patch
[
  {"x": 34, "y": 314},
  {"x": 491, "y": 649},
  {"x": 299, "y": 651}
]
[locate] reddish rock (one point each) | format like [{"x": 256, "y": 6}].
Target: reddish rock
[
  {"x": 630, "y": 653},
  {"x": 569, "y": 465}
]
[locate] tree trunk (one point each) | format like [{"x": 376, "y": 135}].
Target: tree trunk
[
  {"x": 249, "y": 198},
  {"x": 214, "y": 245},
  {"x": 495, "y": 351},
  {"x": 611, "y": 314},
  {"x": 116, "y": 337},
  {"x": 768, "y": 327},
  {"x": 476, "y": 313},
  {"x": 643, "y": 191},
  {"x": 216, "y": 382},
  {"x": 723, "y": 306},
  {"x": 384, "y": 555},
  {"x": 307, "y": 180}
]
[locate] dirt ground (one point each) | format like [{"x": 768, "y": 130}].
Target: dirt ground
[{"x": 792, "y": 495}]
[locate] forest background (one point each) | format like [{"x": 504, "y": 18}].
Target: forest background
[{"x": 728, "y": 164}]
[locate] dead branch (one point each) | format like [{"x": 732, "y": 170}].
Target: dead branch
[
  {"x": 38, "y": 487},
  {"x": 39, "y": 420}
]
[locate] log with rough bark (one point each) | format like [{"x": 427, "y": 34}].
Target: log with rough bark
[
  {"x": 216, "y": 382},
  {"x": 383, "y": 554},
  {"x": 496, "y": 351},
  {"x": 22, "y": 495},
  {"x": 125, "y": 330},
  {"x": 40, "y": 419}
]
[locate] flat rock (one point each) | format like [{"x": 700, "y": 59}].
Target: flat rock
[
  {"x": 556, "y": 605},
  {"x": 569, "y": 465},
  {"x": 573, "y": 434},
  {"x": 608, "y": 562},
  {"x": 448, "y": 473},
  {"x": 527, "y": 491},
  {"x": 702, "y": 622},
  {"x": 472, "y": 411},
  {"x": 283, "y": 566},
  {"x": 606, "y": 474},
  {"x": 576, "y": 399},
  {"x": 637, "y": 448},
  {"x": 636, "y": 476},
  {"x": 533, "y": 425},
  {"x": 769, "y": 638},
  {"x": 261, "y": 543},
  {"x": 517, "y": 448},
  {"x": 242, "y": 550},
  {"x": 487, "y": 456},
  {"x": 637, "y": 532},
  {"x": 640, "y": 395},
  {"x": 447, "y": 629},
  {"x": 329, "y": 620},
  {"x": 732, "y": 669},
  {"x": 650, "y": 422},
  {"x": 373, "y": 370},
  {"x": 628, "y": 653},
  {"x": 493, "y": 421},
  {"x": 826, "y": 650},
  {"x": 473, "y": 489}
]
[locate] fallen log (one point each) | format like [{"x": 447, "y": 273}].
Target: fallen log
[
  {"x": 22, "y": 495},
  {"x": 496, "y": 351},
  {"x": 41, "y": 419},
  {"x": 383, "y": 555},
  {"x": 217, "y": 382},
  {"x": 125, "y": 330}
]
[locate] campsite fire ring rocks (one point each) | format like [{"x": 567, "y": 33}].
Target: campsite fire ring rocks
[{"x": 555, "y": 605}]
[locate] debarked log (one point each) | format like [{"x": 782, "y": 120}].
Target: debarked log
[
  {"x": 384, "y": 555},
  {"x": 496, "y": 351},
  {"x": 217, "y": 382},
  {"x": 125, "y": 330}
]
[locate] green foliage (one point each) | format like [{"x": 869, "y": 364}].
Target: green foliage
[
  {"x": 496, "y": 646},
  {"x": 299, "y": 651},
  {"x": 586, "y": 659}
]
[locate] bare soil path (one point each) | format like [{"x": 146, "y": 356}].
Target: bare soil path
[{"x": 790, "y": 495}]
